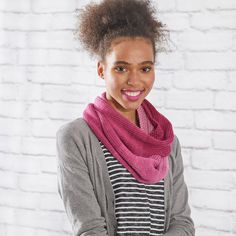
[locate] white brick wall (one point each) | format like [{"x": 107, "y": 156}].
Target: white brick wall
[{"x": 46, "y": 80}]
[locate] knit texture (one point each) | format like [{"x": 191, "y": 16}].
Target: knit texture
[{"x": 143, "y": 150}]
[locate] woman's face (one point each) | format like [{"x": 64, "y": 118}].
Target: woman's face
[{"x": 129, "y": 74}]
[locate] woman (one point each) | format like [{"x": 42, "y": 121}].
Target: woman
[{"x": 120, "y": 169}]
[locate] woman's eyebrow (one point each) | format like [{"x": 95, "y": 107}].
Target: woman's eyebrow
[{"x": 127, "y": 63}]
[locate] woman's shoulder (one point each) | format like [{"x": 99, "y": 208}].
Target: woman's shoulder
[{"x": 74, "y": 129}]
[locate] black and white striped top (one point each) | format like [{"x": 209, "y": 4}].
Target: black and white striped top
[{"x": 139, "y": 207}]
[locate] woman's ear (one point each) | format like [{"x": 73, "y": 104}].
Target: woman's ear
[{"x": 100, "y": 69}]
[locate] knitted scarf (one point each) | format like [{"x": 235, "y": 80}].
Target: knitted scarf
[{"x": 143, "y": 150}]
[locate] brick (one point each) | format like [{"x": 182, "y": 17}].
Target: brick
[
  {"x": 86, "y": 59},
  {"x": 38, "y": 110},
  {"x": 20, "y": 164},
  {"x": 15, "y": 74},
  {"x": 48, "y": 165},
  {"x": 163, "y": 80},
  {"x": 3, "y": 230},
  {"x": 41, "y": 232},
  {"x": 7, "y": 215},
  {"x": 234, "y": 41},
  {"x": 186, "y": 157},
  {"x": 214, "y": 20},
  {"x": 220, "y": 4},
  {"x": 72, "y": 58},
  {"x": 66, "y": 224},
  {"x": 66, "y": 111},
  {"x": 186, "y": 5},
  {"x": 13, "y": 39},
  {"x": 232, "y": 200},
  {"x": 200, "y": 80},
  {"x": 52, "y": 40},
  {"x": 50, "y": 6},
  {"x": 39, "y": 130},
  {"x": 99, "y": 82},
  {"x": 213, "y": 160},
  {"x": 82, "y": 4},
  {"x": 26, "y": 22},
  {"x": 176, "y": 118},
  {"x": 210, "y": 61},
  {"x": 231, "y": 86},
  {"x": 205, "y": 41},
  {"x": 15, "y": 6},
  {"x": 8, "y": 56},
  {"x": 19, "y": 199},
  {"x": 210, "y": 180},
  {"x": 17, "y": 109},
  {"x": 9, "y": 91},
  {"x": 175, "y": 21},
  {"x": 181, "y": 99},
  {"x": 217, "y": 200},
  {"x": 30, "y": 92},
  {"x": 234, "y": 223},
  {"x": 63, "y": 21},
  {"x": 19, "y": 230},
  {"x": 97, "y": 91},
  {"x": 85, "y": 75},
  {"x": 51, "y": 202},
  {"x": 38, "y": 146},
  {"x": 212, "y": 232},
  {"x": 214, "y": 120},
  {"x": 217, "y": 220},
  {"x": 225, "y": 101},
  {"x": 46, "y": 183},
  {"x": 39, "y": 219},
  {"x": 11, "y": 127},
  {"x": 156, "y": 97},
  {"x": 10, "y": 144},
  {"x": 8, "y": 179},
  {"x": 51, "y": 75},
  {"x": 193, "y": 139},
  {"x": 77, "y": 94},
  {"x": 33, "y": 57},
  {"x": 3, "y": 41},
  {"x": 224, "y": 141},
  {"x": 165, "y": 5},
  {"x": 170, "y": 61}
]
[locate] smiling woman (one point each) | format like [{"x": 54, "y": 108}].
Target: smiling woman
[
  {"x": 120, "y": 169},
  {"x": 129, "y": 74}
]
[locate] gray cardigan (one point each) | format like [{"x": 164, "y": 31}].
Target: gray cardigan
[{"x": 85, "y": 188}]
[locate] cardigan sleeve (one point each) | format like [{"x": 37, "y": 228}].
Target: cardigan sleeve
[
  {"x": 181, "y": 223},
  {"x": 75, "y": 187}
]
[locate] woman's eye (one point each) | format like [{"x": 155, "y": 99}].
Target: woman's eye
[
  {"x": 120, "y": 69},
  {"x": 146, "y": 69}
]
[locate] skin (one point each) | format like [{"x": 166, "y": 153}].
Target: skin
[{"x": 128, "y": 65}]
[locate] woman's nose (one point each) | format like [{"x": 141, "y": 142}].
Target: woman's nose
[{"x": 133, "y": 78}]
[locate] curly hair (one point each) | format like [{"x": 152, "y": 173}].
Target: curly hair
[{"x": 100, "y": 23}]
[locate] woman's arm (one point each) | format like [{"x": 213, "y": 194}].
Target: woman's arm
[
  {"x": 75, "y": 187},
  {"x": 181, "y": 223}
]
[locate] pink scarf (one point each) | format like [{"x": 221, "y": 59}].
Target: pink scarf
[{"x": 142, "y": 151}]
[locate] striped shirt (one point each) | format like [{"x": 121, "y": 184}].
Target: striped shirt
[{"x": 139, "y": 208}]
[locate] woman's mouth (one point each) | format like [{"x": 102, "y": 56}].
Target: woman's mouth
[{"x": 132, "y": 95}]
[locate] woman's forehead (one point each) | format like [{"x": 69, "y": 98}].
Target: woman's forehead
[{"x": 131, "y": 51}]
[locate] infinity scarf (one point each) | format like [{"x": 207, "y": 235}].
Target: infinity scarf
[{"x": 143, "y": 150}]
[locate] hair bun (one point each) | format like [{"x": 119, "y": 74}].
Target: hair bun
[{"x": 100, "y": 23}]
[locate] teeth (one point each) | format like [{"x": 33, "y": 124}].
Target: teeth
[{"x": 132, "y": 93}]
